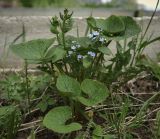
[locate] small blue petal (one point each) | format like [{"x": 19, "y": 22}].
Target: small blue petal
[
  {"x": 95, "y": 33},
  {"x": 79, "y": 57},
  {"x": 93, "y": 54}
]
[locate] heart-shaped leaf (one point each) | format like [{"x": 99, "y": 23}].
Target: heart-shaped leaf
[
  {"x": 114, "y": 25},
  {"x": 56, "y": 120},
  {"x": 131, "y": 29},
  {"x": 34, "y": 50},
  {"x": 95, "y": 92},
  {"x": 68, "y": 85}
]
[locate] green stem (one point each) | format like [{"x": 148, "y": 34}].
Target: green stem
[
  {"x": 64, "y": 43},
  {"x": 134, "y": 55},
  {"x": 150, "y": 20},
  {"x": 63, "y": 34},
  {"x": 125, "y": 45},
  {"x": 27, "y": 85},
  {"x": 58, "y": 38},
  {"x": 96, "y": 64}
]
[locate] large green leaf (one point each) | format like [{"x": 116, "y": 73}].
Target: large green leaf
[
  {"x": 95, "y": 92},
  {"x": 84, "y": 41},
  {"x": 131, "y": 29},
  {"x": 110, "y": 26},
  {"x": 116, "y": 27},
  {"x": 56, "y": 120},
  {"x": 91, "y": 22},
  {"x": 55, "y": 54},
  {"x": 34, "y": 50},
  {"x": 68, "y": 85}
]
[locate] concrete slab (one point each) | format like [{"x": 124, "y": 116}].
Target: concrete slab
[{"x": 38, "y": 27}]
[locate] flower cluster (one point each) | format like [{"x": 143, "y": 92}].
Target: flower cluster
[
  {"x": 96, "y": 35},
  {"x": 93, "y": 35},
  {"x": 74, "y": 47},
  {"x": 92, "y": 54},
  {"x": 73, "y": 50},
  {"x": 80, "y": 57}
]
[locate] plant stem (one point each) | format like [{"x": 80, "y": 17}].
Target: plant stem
[
  {"x": 27, "y": 85},
  {"x": 64, "y": 43},
  {"x": 150, "y": 20}
]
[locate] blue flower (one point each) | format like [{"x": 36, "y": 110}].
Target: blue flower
[
  {"x": 101, "y": 39},
  {"x": 92, "y": 54},
  {"x": 95, "y": 33},
  {"x": 79, "y": 57}
]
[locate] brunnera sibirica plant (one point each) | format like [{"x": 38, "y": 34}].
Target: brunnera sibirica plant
[{"x": 83, "y": 76}]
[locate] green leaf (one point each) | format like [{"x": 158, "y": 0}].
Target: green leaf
[
  {"x": 98, "y": 134},
  {"x": 55, "y": 54},
  {"x": 153, "y": 66},
  {"x": 84, "y": 41},
  {"x": 131, "y": 27},
  {"x": 147, "y": 43},
  {"x": 10, "y": 118},
  {"x": 101, "y": 23},
  {"x": 105, "y": 50},
  {"x": 114, "y": 25},
  {"x": 5, "y": 111},
  {"x": 98, "y": 131},
  {"x": 87, "y": 61},
  {"x": 96, "y": 92},
  {"x": 33, "y": 50},
  {"x": 91, "y": 22},
  {"x": 68, "y": 85},
  {"x": 56, "y": 120},
  {"x": 45, "y": 102},
  {"x": 117, "y": 27}
]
